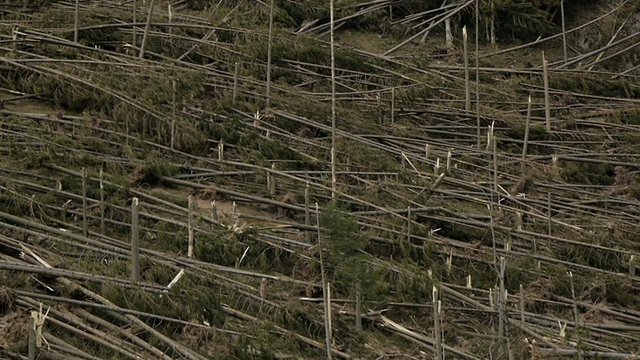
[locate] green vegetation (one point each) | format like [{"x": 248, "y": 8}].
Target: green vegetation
[{"x": 421, "y": 200}]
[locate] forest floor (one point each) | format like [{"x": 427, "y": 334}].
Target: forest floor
[{"x": 481, "y": 211}]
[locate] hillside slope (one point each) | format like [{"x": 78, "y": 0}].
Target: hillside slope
[{"x": 483, "y": 200}]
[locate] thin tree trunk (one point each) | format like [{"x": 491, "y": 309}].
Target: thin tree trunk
[
  {"x": 564, "y": 32},
  {"x": 134, "y": 40},
  {"x": 501, "y": 301},
  {"x": 526, "y": 136},
  {"x": 393, "y": 105},
  {"x": 333, "y": 107},
  {"x": 269, "y": 46},
  {"x": 467, "y": 91},
  {"x": 448, "y": 35},
  {"x": 191, "y": 243},
  {"x": 145, "y": 36},
  {"x": 325, "y": 290},
  {"x": 307, "y": 212},
  {"x": 102, "y": 204},
  {"x": 409, "y": 225},
  {"x": 85, "y": 226},
  {"x": 75, "y": 21},
  {"x": 358, "y": 307},
  {"x": 436, "y": 324},
  {"x": 547, "y": 106},
  {"x": 478, "y": 74},
  {"x": 575, "y": 315},
  {"x": 174, "y": 111},
  {"x": 235, "y": 84},
  {"x": 135, "y": 242}
]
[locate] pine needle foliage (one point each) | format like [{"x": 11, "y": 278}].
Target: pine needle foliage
[
  {"x": 523, "y": 19},
  {"x": 346, "y": 264}
]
